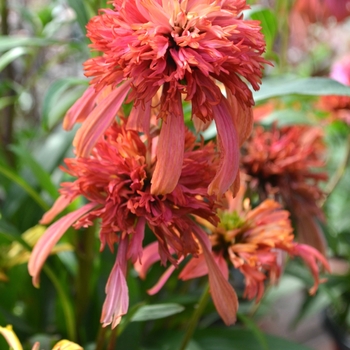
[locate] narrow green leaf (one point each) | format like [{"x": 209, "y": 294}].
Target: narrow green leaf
[
  {"x": 153, "y": 312},
  {"x": 11, "y": 55},
  {"x": 25, "y": 186},
  {"x": 6, "y": 101},
  {"x": 10, "y": 42},
  {"x": 315, "y": 86},
  {"x": 43, "y": 178},
  {"x": 258, "y": 334},
  {"x": 79, "y": 6},
  {"x": 53, "y": 98}
]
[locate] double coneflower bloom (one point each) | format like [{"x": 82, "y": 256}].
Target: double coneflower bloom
[
  {"x": 173, "y": 50},
  {"x": 147, "y": 170}
]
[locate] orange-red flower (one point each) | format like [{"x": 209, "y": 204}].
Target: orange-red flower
[
  {"x": 181, "y": 49},
  {"x": 116, "y": 182},
  {"x": 253, "y": 241},
  {"x": 286, "y": 164}
]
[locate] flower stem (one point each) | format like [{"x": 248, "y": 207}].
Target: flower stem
[
  {"x": 333, "y": 183},
  {"x": 195, "y": 317}
]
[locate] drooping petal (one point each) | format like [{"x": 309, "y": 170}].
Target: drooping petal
[
  {"x": 229, "y": 150},
  {"x": 170, "y": 153},
  {"x": 162, "y": 280},
  {"x": 11, "y": 337},
  {"x": 195, "y": 268},
  {"x": 149, "y": 257},
  {"x": 223, "y": 295},
  {"x": 117, "y": 295},
  {"x": 311, "y": 257},
  {"x": 81, "y": 108},
  {"x": 36, "y": 346},
  {"x": 99, "y": 120},
  {"x": 140, "y": 117},
  {"x": 135, "y": 247},
  {"x": 48, "y": 240},
  {"x": 60, "y": 204}
]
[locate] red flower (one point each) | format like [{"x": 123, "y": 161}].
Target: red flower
[
  {"x": 253, "y": 241},
  {"x": 180, "y": 49},
  {"x": 116, "y": 181},
  {"x": 286, "y": 164}
]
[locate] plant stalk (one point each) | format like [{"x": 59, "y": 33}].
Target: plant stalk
[{"x": 195, "y": 317}]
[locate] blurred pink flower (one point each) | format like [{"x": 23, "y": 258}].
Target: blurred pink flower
[
  {"x": 115, "y": 180},
  {"x": 287, "y": 164},
  {"x": 180, "y": 49},
  {"x": 338, "y": 106}
]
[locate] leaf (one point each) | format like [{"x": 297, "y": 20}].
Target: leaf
[
  {"x": 284, "y": 85},
  {"x": 238, "y": 339},
  {"x": 10, "y": 42},
  {"x": 43, "y": 178},
  {"x": 257, "y": 333},
  {"x": 268, "y": 23},
  {"x": 54, "y": 105},
  {"x": 11, "y": 55},
  {"x": 154, "y": 312},
  {"x": 79, "y": 6},
  {"x": 286, "y": 117}
]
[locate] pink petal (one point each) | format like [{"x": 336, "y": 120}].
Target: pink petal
[
  {"x": 48, "y": 240},
  {"x": 165, "y": 276},
  {"x": 149, "y": 257},
  {"x": 229, "y": 150},
  {"x": 170, "y": 153},
  {"x": 117, "y": 300},
  {"x": 195, "y": 268},
  {"x": 99, "y": 120},
  {"x": 81, "y": 108},
  {"x": 135, "y": 247},
  {"x": 60, "y": 204},
  {"x": 140, "y": 118},
  {"x": 223, "y": 295}
]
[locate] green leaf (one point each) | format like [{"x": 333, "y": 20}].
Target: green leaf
[
  {"x": 286, "y": 117},
  {"x": 6, "y": 101},
  {"x": 55, "y": 105},
  {"x": 268, "y": 23},
  {"x": 153, "y": 312},
  {"x": 79, "y": 6},
  {"x": 11, "y": 55},
  {"x": 43, "y": 178},
  {"x": 238, "y": 339},
  {"x": 24, "y": 185},
  {"x": 282, "y": 86},
  {"x": 10, "y": 42}
]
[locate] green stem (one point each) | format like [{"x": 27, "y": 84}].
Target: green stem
[
  {"x": 113, "y": 339},
  {"x": 66, "y": 305},
  {"x": 85, "y": 254},
  {"x": 333, "y": 183},
  {"x": 101, "y": 337},
  {"x": 195, "y": 317}
]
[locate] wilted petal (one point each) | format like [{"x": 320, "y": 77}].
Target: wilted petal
[
  {"x": 81, "y": 108},
  {"x": 135, "y": 247},
  {"x": 99, "y": 120},
  {"x": 48, "y": 240},
  {"x": 311, "y": 257},
  {"x": 150, "y": 255},
  {"x": 165, "y": 276},
  {"x": 61, "y": 203},
  {"x": 140, "y": 118},
  {"x": 222, "y": 293},
  {"x": 229, "y": 150},
  {"x": 196, "y": 267},
  {"x": 170, "y": 153},
  {"x": 11, "y": 337},
  {"x": 117, "y": 300}
]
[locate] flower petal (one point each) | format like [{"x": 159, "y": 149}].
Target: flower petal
[
  {"x": 117, "y": 300},
  {"x": 229, "y": 150},
  {"x": 81, "y": 108},
  {"x": 170, "y": 153},
  {"x": 11, "y": 337},
  {"x": 223, "y": 295},
  {"x": 140, "y": 118},
  {"x": 60, "y": 204},
  {"x": 135, "y": 247},
  {"x": 196, "y": 267},
  {"x": 48, "y": 240},
  {"x": 99, "y": 120},
  {"x": 66, "y": 345}
]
